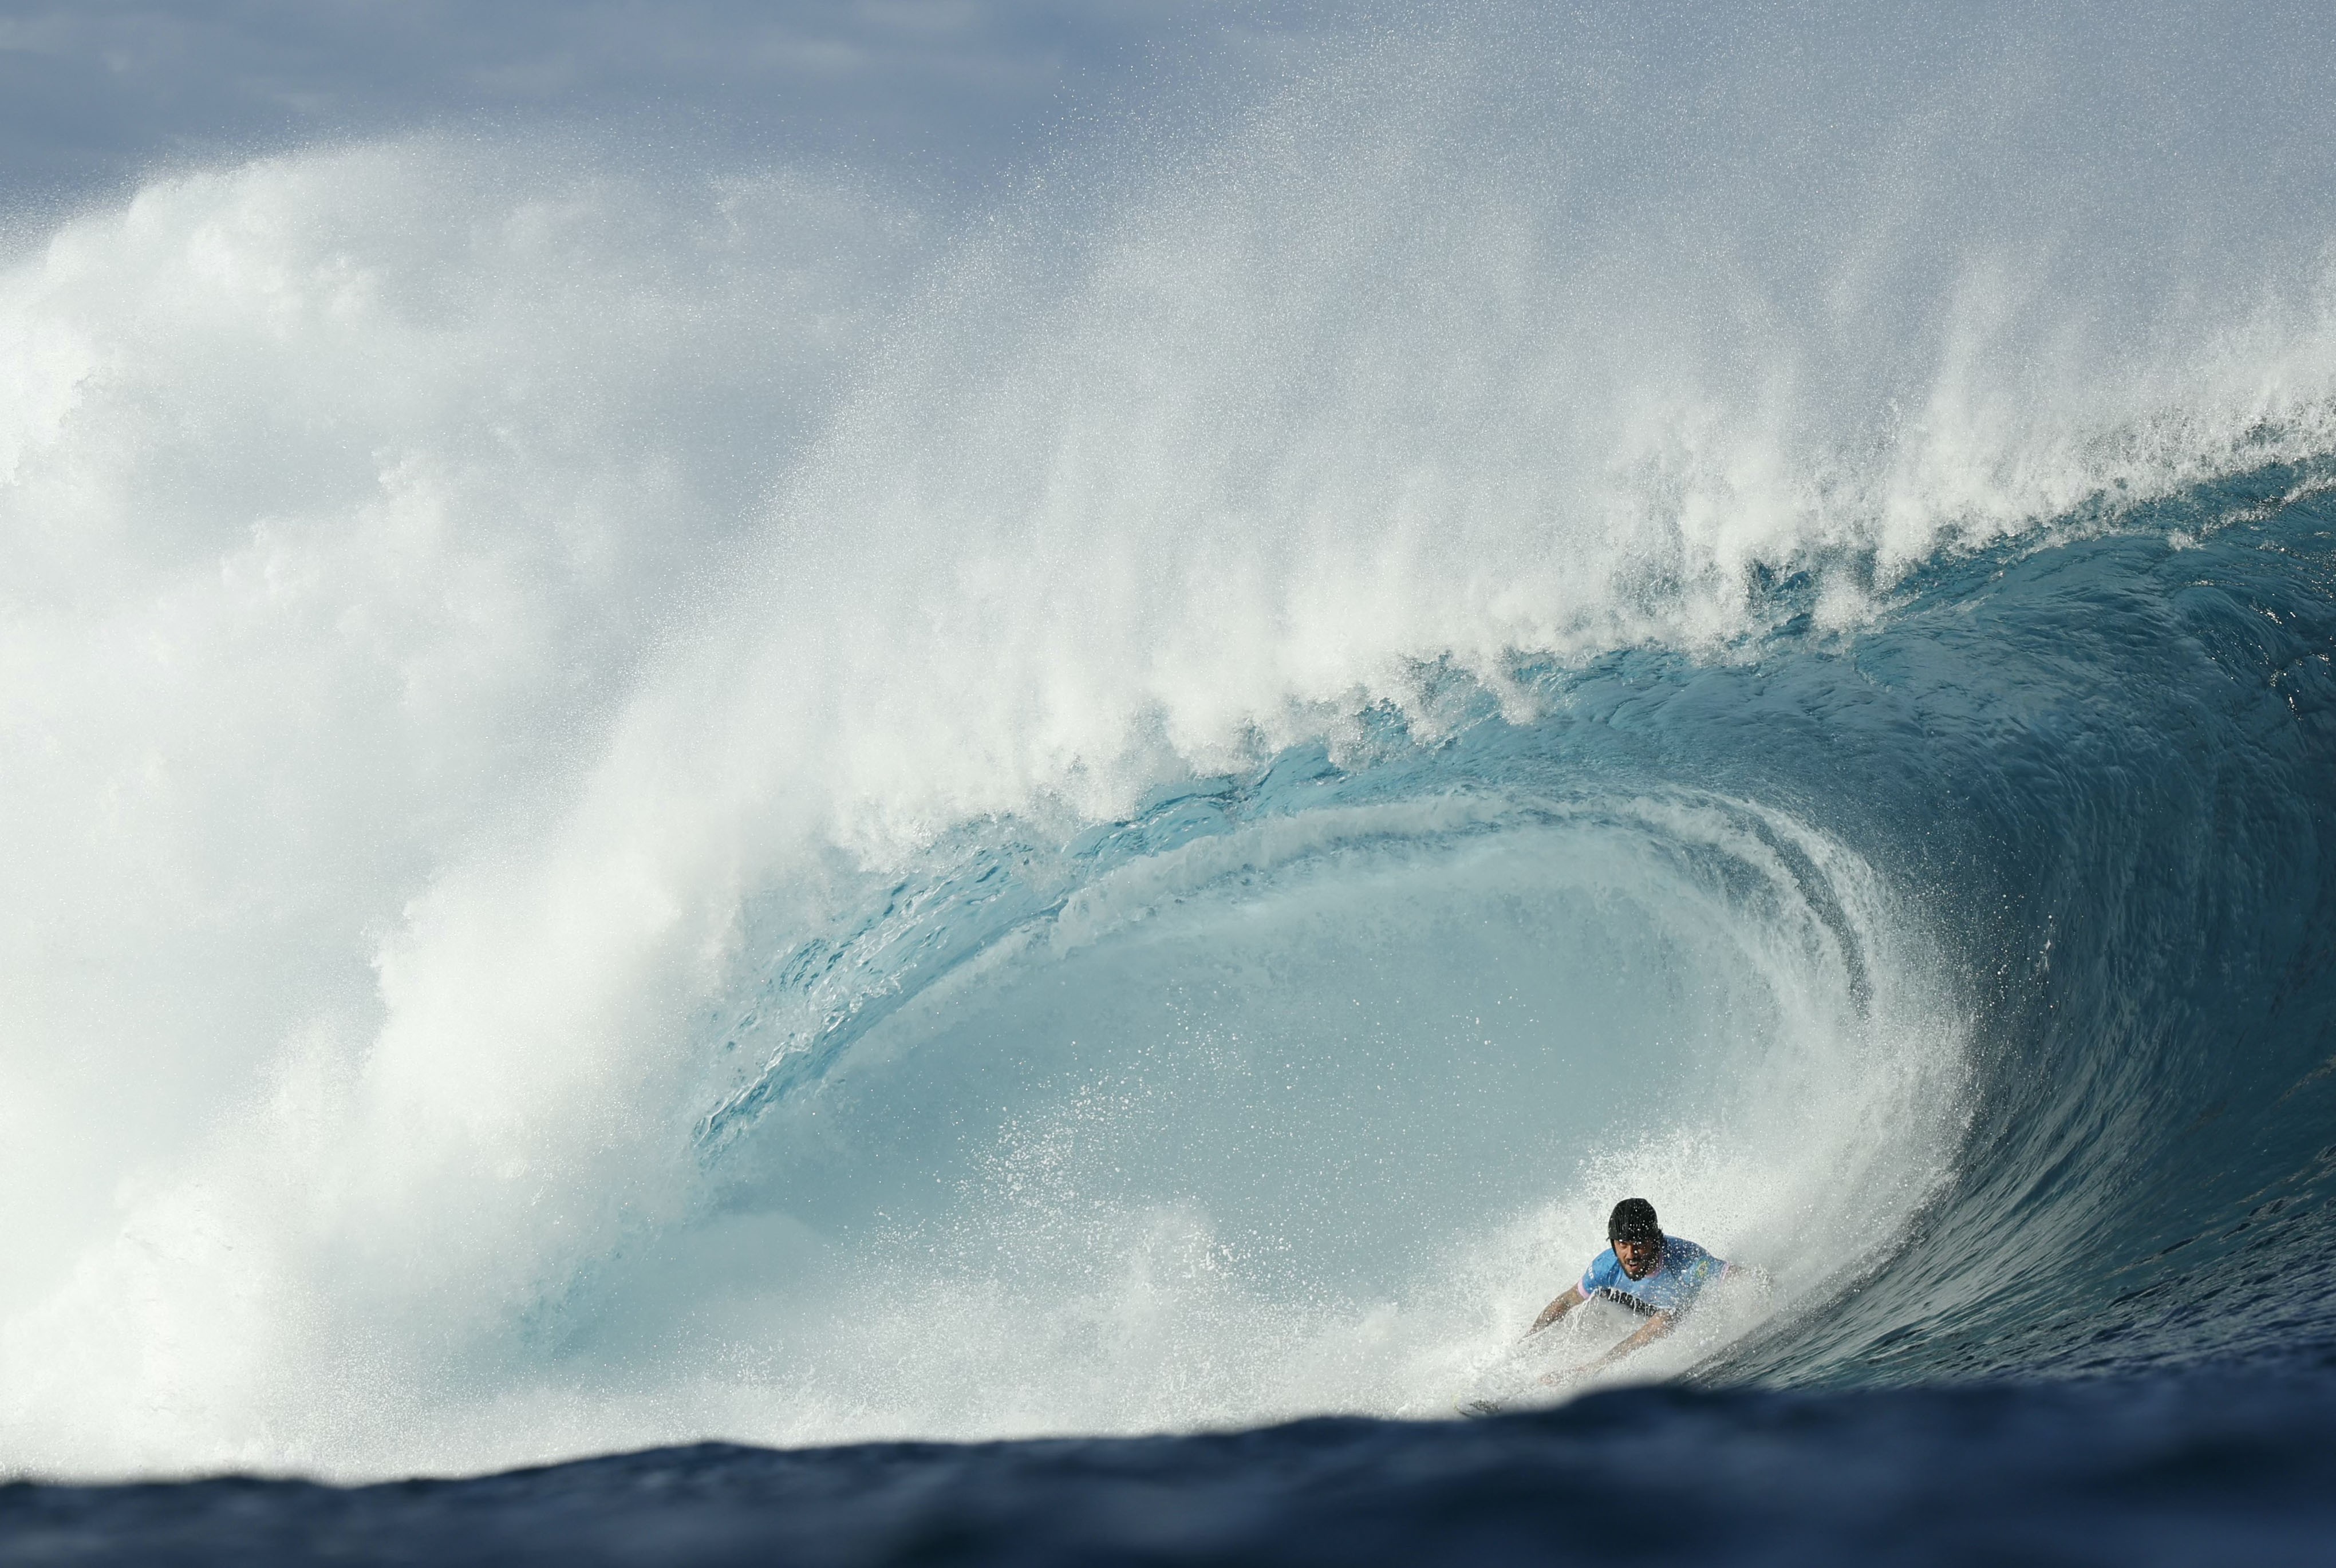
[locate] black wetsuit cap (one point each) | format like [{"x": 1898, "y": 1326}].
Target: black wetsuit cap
[{"x": 1633, "y": 1220}]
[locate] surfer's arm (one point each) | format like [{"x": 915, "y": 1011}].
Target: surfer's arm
[
  {"x": 1654, "y": 1329},
  {"x": 1557, "y": 1309}
]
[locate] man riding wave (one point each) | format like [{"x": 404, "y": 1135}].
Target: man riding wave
[{"x": 1659, "y": 1277}]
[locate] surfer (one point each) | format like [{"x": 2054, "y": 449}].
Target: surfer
[{"x": 1654, "y": 1275}]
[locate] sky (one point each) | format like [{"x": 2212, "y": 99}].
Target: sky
[{"x": 952, "y": 94}]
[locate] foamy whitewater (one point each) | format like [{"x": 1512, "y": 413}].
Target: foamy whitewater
[{"x": 648, "y": 803}]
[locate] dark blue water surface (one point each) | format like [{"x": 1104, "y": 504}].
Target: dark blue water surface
[
  {"x": 2142, "y": 1470},
  {"x": 2104, "y": 767}
]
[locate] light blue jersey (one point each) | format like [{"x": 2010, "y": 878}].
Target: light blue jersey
[{"x": 1675, "y": 1281}]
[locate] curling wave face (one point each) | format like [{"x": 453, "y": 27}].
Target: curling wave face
[
  {"x": 1294, "y": 1091},
  {"x": 660, "y": 807}
]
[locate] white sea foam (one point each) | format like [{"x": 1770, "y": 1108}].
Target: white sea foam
[{"x": 445, "y": 587}]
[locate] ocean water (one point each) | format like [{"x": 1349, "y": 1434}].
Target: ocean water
[{"x": 897, "y": 886}]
